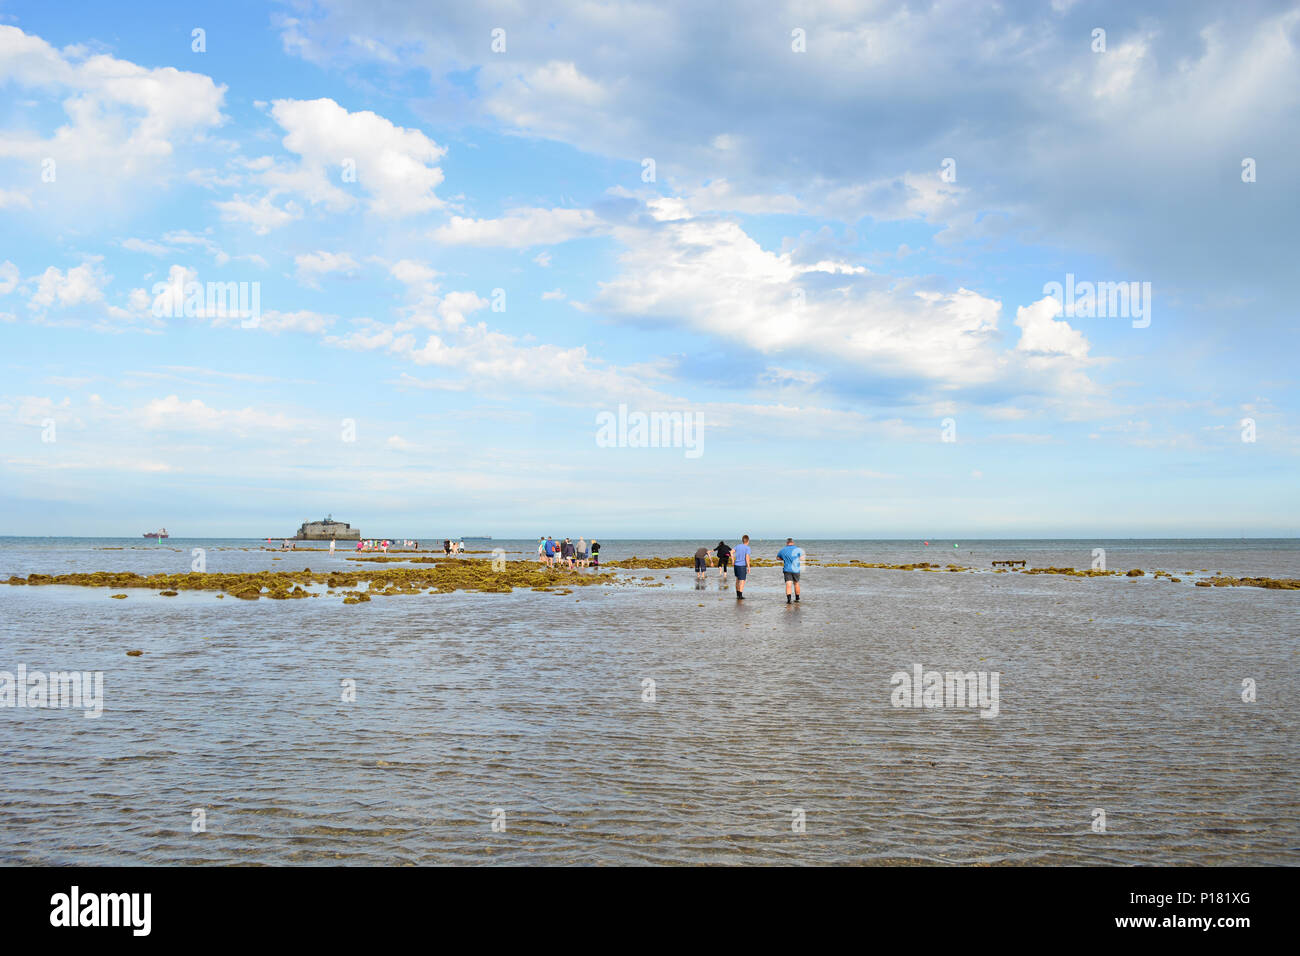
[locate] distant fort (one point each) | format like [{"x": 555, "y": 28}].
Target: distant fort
[{"x": 325, "y": 529}]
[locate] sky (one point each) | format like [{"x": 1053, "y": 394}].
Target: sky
[{"x": 837, "y": 241}]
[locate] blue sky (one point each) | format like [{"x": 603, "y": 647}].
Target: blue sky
[{"x": 843, "y": 258}]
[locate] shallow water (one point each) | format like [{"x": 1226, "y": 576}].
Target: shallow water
[{"x": 1119, "y": 694}]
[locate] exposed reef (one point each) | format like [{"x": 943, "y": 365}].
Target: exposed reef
[{"x": 444, "y": 577}]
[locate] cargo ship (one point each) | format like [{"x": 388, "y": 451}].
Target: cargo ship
[{"x": 159, "y": 534}]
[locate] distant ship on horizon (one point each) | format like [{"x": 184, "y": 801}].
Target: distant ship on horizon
[{"x": 159, "y": 534}]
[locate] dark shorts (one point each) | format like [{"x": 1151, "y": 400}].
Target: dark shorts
[
  {"x": 742, "y": 570},
  {"x": 700, "y": 564},
  {"x": 724, "y": 563},
  {"x": 791, "y": 576}
]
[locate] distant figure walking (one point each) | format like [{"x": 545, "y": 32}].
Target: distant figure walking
[
  {"x": 582, "y": 552},
  {"x": 332, "y": 543},
  {"x": 566, "y": 552},
  {"x": 595, "y": 553},
  {"x": 723, "y": 551},
  {"x": 791, "y": 564},
  {"x": 701, "y": 563},
  {"x": 446, "y": 547},
  {"x": 550, "y": 551},
  {"x": 741, "y": 557},
  {"x": 541, "y": 548}
]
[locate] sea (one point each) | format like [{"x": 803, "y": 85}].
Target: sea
[{"x": 1124, "y": 720}]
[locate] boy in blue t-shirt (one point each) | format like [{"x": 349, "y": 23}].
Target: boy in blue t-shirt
[
  {"x": 791, "y": 565},
  {"x": 740, "y": 563}
]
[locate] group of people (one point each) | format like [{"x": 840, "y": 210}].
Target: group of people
[
  {"x": 568, "y": 553},
  {"x": 382, "y": 544},
  {"x": 740, "y": 557}
]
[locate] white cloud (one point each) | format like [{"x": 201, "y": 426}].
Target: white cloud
[
  {"x": 521, "y": 228},
  {"x": 80, "y": 285},
  {"x": 364, "y": 340},
  {"x": 262, "y": 214},
  {"x": 14, "y": 198},
  {"x": 410, "y": 272},
  {"x": 455, "y": 306},
  {"x": 712, "y": 276},
  {"x": 394, "y": 166},
  {"x": 147, "y": 246},
  {"x": 173, "y": 414},
  {"x": 35, "y": 409},
  {"x": 122, "y": 118},
  {"x": 9, "y": 277},
  {"x": 313, "y": 265},
  {"x": 94, "y": 463},
  {"x": 556, "y": 96},
  {"x": 1041, "y": 333},
  {"x": 719, "y": 195},
  {"x": 302, "y": 320}
]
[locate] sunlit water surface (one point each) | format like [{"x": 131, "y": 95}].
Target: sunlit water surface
[{"x": 1116, "y": 694}]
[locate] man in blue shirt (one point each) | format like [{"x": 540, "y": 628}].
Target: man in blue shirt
[
  {"x": 740, "y": 559},
  {"x": 550, "y": 551},
  {"x": 791, "y": 565}
]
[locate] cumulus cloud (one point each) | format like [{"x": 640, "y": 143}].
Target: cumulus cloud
[
  {"x": 80, "y": 285},
  {"x": 394, "y": 166},
  {"x": 712, "y": 276},
  {"x": 122, "y": 118},
  {"x": 1041, "y": 333}
]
